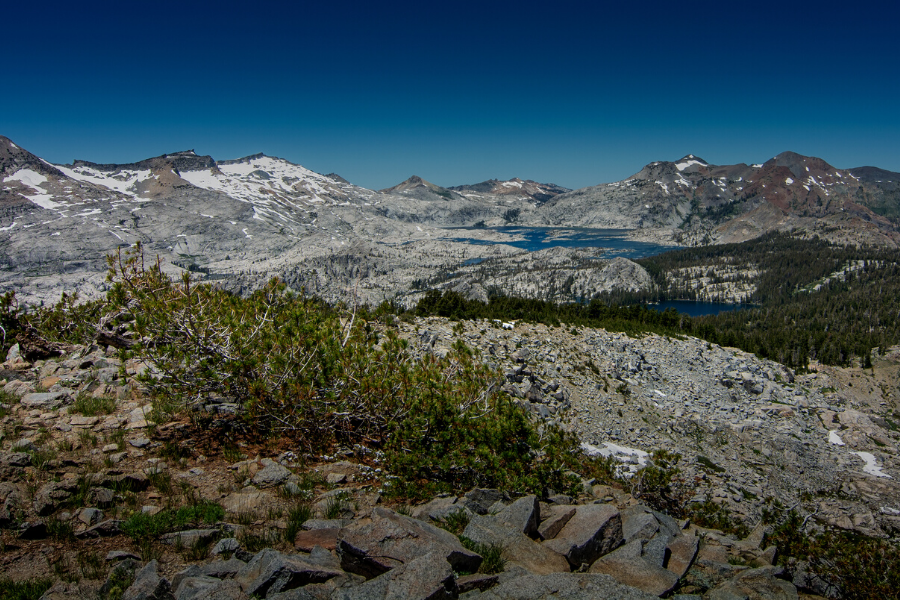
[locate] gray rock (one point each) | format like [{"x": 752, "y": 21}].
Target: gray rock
[
  {"x": 637, "y": 572},
  {"x": 102, "y": 497},
  {"x": 523, "y": 515},
  {"x": 23, "y": 445},
  {"x": 90, "y": 516},
  {"x": 593, "y": 531},
  {"x": 222, "y": 569},
  {"x": 479, "y": 500},
  {"x": 15, "y": 459},
  {"x": 224, "y": 546},
  {"x": 563, "y": 586},
  {"x": 120, "y": 555},
  {"x": 271, "y": 475},
  {"x": 756, "y": 584},
  {"x": 476, "y": 582},
  {"x": 206, "y": 588},
  {"x": 518, "y": 549},
  {"x": 656, "y": 550},
  {"x": 389, "y": 540},
  {"x": 45, "y": 400},
  {"x": 106, "y": 528},
  {"x": 148, "y": 585},
  {"x": 682, "y": 551},
  {"x": 270, "y": 571},
  {"x": 638, "y": 523},
  {"x": 428, "y": 577},
  {"x": 313, "y": 524},
  {"x": 51, "y": 495},
  {"x": 190, "y": 538},
  {"x": 555, "y": 520}
]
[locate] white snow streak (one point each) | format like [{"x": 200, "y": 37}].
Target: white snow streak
[{"x": 871, "y": 467}]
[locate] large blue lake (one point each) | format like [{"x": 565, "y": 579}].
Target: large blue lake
[{"x": 615, "y": 242}]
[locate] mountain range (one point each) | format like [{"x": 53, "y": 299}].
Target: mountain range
[{"x": 244, "y": 220}]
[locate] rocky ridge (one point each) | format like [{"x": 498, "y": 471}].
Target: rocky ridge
[{"x": 91, "y": 474}]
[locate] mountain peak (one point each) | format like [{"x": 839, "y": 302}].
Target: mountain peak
[
  {"x": 689, "y": 161},
  {"x": 410, "y": 184},
  {"x": 801, "y": 166}
]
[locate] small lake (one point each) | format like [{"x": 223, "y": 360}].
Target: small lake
[
  {"x": 614, "y": 241},
  {"x": 698, "y": 309}
]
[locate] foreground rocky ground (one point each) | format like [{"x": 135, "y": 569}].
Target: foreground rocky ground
[{"x": 108, "y": 499}]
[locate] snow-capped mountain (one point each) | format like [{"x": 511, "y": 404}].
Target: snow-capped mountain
[{"x": 246, "y": 219}]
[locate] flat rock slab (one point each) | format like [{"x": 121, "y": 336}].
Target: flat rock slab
[
  {"x": 426, "y": 578},
  {"x": 205, "y": 588},
  {"x": 683, "y": 551},
  {"x": 594, "y": 530},
  {"x": 270, "y": 571},
  {"x": 307, "y": 540},
  {"x": 756, "y": 584},
  {"x": 637, "y": 572},
  {"x": 562, "y": 586},
  {"x": 190, "y": 538},
  {"x": 390, "y": 540},
  {"x": 241, "y": 502},
  {"x": 47, "y": 400}
]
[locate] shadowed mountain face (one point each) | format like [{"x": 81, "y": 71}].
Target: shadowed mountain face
[
  {"x": 738, "y": 202},
  {"x": 243, "y": 220},
  {"x": 524, "y": 189}
]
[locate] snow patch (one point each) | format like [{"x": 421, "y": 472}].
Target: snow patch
[
  {"x": 633, "y": 459},
  {"x": 871, "y": 467},
  {"x": 32, "y": 179},
  {"x": 9, "y": 227},
  {"x": 789, "y": 181},
  {"x": 834, "y": 438},
  {"x": 684, "y": 165}
]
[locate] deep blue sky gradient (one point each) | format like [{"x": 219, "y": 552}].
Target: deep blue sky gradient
[{"x": 574, "y": 93}]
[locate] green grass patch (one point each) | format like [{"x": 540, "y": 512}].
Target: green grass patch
[
  {"x": 297, "y": 515},
  {"x": 455, "y": 522},
  {"x": 144, "y": 526},
  {"x": 23, "y": 590},
  {"x": 92, "y": 407},
  {"x": 491, "y": 553}
]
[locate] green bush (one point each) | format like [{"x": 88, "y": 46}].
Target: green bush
[
  {"x": 321, "y": 376},
  {"x": 854, "y": 566}
]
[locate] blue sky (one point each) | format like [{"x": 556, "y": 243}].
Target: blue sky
[{"x": 573, "y": 93}]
